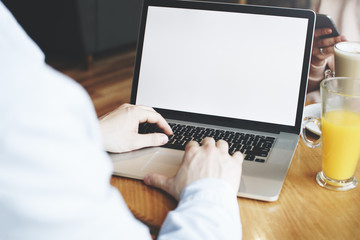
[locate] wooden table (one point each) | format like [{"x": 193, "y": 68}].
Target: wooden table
[{"x": 303, "y": 211}]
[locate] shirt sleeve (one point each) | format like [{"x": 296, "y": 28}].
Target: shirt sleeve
[
  {"x": 54, "y": 172},
  {"x": 208, "y": 209}
]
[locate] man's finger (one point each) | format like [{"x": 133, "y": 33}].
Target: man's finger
[
  {"x": 208, "y": 141},
  {"x": 157, "y": 180},
  {"x": 191, "y": 144},
  {"x": 149, "y": 140},
  {"x": 222, "y": 145},
  {"x": 238, "y": 155},
  {"x": 154, "y": 117}
]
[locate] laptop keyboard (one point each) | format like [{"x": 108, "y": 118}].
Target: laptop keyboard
[{"x": 254, "y": 147}]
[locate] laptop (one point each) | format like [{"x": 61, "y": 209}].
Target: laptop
[{"x": 223, "y": 69}]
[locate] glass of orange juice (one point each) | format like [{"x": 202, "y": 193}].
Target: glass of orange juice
[{"x": 340, "y": 133}]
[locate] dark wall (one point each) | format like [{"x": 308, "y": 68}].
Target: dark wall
[
  {"x": 49, "y": 23},
  {"x": 283, "y": 3}
]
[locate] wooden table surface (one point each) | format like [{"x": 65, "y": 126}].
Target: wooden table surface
[{"x": 304, "y": 210}]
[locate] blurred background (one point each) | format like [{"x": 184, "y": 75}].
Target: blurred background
[
  {"x": 84, "y": 28},
  {"x": 94, "y": 41}
]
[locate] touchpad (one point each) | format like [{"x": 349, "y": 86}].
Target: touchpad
[
  {"x": 152, "y": 160},
  {"x": 164, "y": 162}
]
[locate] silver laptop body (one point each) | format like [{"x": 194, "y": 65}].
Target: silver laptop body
[{"x": 223, "y": 66}]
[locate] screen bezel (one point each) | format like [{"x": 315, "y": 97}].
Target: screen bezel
[{"x": 223, "y": 121}]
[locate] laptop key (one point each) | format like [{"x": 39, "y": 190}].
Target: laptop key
[
  {"x": 259, "y": 154},
  {"x": 249, "y": 157},
  {"x": 260, "y": 150},
  {"x": 260, "y": 160},
  {"x": 173, "y": 146}
]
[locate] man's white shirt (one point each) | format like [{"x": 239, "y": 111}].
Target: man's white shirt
[{"x": 54, "y": 172}]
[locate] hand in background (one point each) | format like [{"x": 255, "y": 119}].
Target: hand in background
[
  {"x": 210, "y": 160},
  {"x": 323, "y": 48},
  {"x": 120, "y": 128}
]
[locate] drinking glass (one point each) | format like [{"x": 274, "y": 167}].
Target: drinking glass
[
  {"x": 340, "y": 133},
  {"x": 347, "y": 59}
]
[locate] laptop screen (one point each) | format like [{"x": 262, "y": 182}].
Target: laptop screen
[{"x": 236, "y": 65}]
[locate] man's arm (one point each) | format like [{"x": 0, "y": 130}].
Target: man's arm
[{"x": 206, "y": 184}]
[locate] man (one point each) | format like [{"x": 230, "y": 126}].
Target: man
[{"x": 54, "y": 172}]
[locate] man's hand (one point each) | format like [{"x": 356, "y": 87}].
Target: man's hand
[
  {"x": 323, "y": 48},
  {"x": 120, "y": 128},
  {"x": 210, "y": 160}
]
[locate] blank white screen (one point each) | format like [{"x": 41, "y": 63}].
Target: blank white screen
[{"x": 236, "y": 65}]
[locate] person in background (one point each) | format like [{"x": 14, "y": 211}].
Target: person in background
[
  {"x": 55, "y": 172},
  {"x": 346, "y": 15}
]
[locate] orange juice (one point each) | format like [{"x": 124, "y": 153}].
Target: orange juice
[{"x": 341, "y": 143}]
